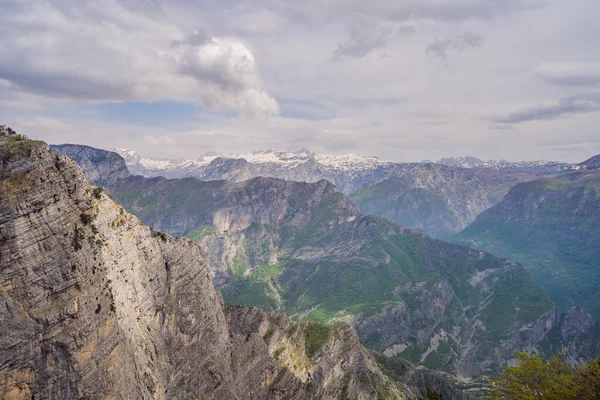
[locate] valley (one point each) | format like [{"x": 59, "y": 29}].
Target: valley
[{"x": 306, "y": 250}]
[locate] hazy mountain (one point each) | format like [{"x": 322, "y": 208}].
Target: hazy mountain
[
  {"x": 96, "y": 305},
  {"x": 551, "y": 225},
  {"x": 348, "y": 172},
  {"x": 100, "y": 166},
  {"x": 440, "y": 199},
  {"x": 540, "y": 166}
]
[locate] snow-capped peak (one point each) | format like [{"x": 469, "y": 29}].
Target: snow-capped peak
[{"x": 473, "y": 162}]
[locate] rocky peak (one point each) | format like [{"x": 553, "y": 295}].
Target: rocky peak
[
  {"x": 540, "y": 166},
  {"x": 101, "y": 167},
  {"x": 575, "y": 322},
  {"x": 591, "y": 163}
]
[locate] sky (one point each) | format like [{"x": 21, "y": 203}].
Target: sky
[{"x": 403, "y": 80}]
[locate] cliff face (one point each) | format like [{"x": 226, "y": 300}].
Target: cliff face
[
  {"x": 101, "y": 167},
  {"x": 436, "y": 198},
  {"x": 552, "y": 226},
  {"x": 96, "y": 305}
]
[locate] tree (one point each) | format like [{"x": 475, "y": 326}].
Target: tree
[
  {"x": 433, "y": 395},
  {"x": 534, "y": 379}
]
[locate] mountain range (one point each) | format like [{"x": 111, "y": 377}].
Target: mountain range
[
  {"x": 477, "y": 163},
  {"x": 440, "y": 198},
  {"x": 305, "y": 249}
]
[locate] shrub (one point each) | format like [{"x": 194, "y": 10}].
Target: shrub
[
  {"x": 98, "y": 192},
  {"x": 86, "y": 218},
  {"x": 77, "y": 240},
  {"x": 534, "y": 378},
  {"x": 316, "y": 336}
]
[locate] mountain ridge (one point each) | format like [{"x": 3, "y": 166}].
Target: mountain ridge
[
  {"x": 304, "y": 248},
  {"x": 551, "y": 226},
  {"x": 249, "y": 237}
]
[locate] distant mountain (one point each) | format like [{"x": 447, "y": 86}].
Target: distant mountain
[
  {"x": 539, "y": 167},
  {"x": 591, "y": 163},
  {"x": 347, "y": 172},
  {"x": 439, "y": 199},
  {"x": 552, "y": 226},
  {"x": 100, "y": 166}
]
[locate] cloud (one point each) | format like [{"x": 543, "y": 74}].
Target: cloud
[
  {"x": 407, "y": 10},
  {"x": 117, "y": 51},
  {"x": 196, "y": 38},
  {"x": 570, "y": 74},
  {"x": 568, "y": 106},
  {"x": 385, "y": 17},
  {"x": 257, "y": 22},
  {"x": 440, "y": 47},
  {"x": 366, "y": 34}
]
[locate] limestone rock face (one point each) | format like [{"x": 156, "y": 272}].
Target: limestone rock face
[
  {"x": 101, "y": 167},
  {"x": 95, "y": 305}
]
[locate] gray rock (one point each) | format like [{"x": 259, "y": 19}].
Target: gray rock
[{"x": 101, "y": 167}]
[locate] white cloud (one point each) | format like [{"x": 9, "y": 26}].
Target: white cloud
[
  {"x": 105, "y": 51},
  {"x": 386, "y": 96}
]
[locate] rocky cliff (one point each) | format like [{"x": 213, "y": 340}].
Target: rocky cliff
[
  {"x": 100, "y": 167},
  {"x": 304, "y": 248},
  {"x": 439, "y": 199},
  {"x": 96, "y": 305}
]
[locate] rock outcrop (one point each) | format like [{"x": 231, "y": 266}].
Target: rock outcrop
[
  {"x": 101, "y": 167},
  {"x": 439, "y": 199},
  {"x": 95, "y": 305}
]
